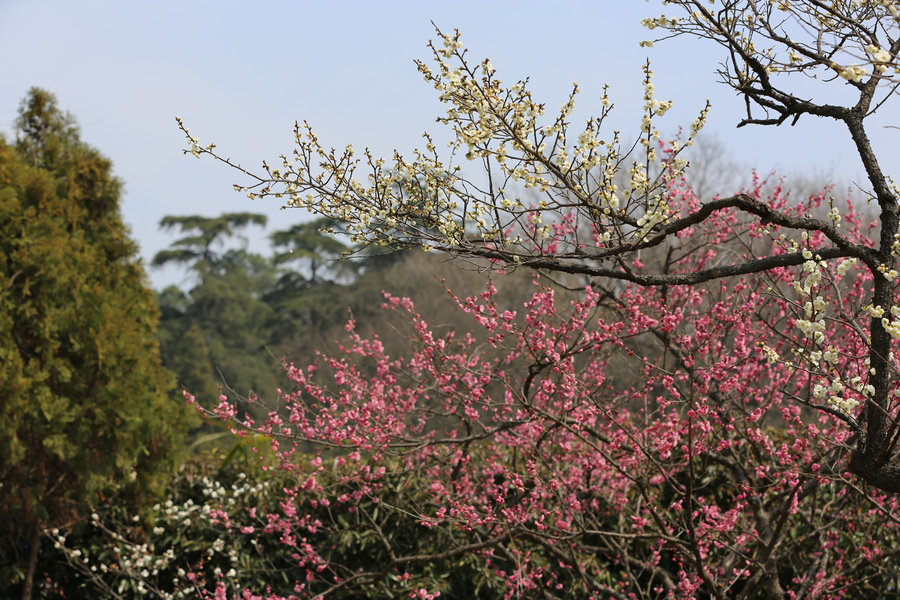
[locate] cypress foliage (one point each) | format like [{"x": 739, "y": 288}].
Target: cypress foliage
[{"x": 84, "y": 403}]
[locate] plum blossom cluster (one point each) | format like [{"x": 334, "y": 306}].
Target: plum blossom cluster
[
  {"x": 822, "y": 315},
  {"x": 428, "y": 202},
  {"x": 524, "y": 442}
]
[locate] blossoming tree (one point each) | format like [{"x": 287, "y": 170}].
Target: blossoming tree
[{"x": 714, "y": 415}]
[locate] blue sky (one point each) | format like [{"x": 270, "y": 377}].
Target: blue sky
[{"x": 241, "y": 73}]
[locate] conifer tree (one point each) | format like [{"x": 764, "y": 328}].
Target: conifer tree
[{"x": 83, "y": 395}]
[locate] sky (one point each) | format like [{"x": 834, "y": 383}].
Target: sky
[{"x": 240, "y": 74}]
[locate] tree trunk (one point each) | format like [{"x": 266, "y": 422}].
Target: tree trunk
[{"x": 32, "y": 561}]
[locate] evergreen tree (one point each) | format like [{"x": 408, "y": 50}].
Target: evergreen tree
[
  {"x": 312, "y": 243},
  {"x": 196, "y": 248},
  {"x": 83, "y": 395},
  {"x": 215, "y": 335}
]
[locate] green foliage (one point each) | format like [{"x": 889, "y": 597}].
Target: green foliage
[
  {"x": 314, "y": 243},
  {"x": 83, "y": 395},
  {"x": 216, "y": 335},
  {"x": 249, "y": 312},
  {"x": 184, "y": 544},
  {"x": 196, "y": 249}
]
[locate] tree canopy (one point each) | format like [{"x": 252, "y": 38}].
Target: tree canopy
[{"x": 196, "y": 249}]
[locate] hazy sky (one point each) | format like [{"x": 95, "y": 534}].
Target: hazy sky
[{"x": 241, "y": 73}]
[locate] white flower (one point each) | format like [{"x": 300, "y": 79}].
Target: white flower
[
  {"x": 771, "y": 354},
  {"x": 813, "y": 279},
  {"x": 845, "y": 266},
  {"x": 878, "y": 54},
  {"x": 845, "y": 405},
  {"x": 852, "y": 73},
  {"x": 892, "y": 327},
  {"x": 836, "y": 386}
]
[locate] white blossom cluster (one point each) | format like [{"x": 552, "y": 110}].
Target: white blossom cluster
[
  {"x": 125, "y": 565},
  {"x": 825, "y": 358},
  {"x": 836, "y": 398},
  {"x": 813, "y": 269},
  {"x": 892, "y": 326},
  {"x": 427, "y": 202},
  {"x": 818, "y": 357},
  {"x": 888, "y": 273}
]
